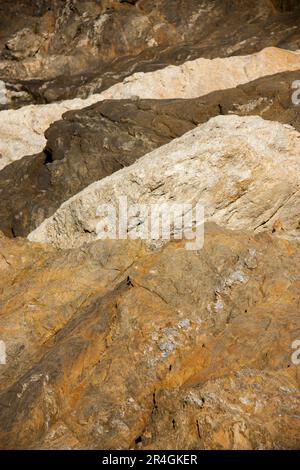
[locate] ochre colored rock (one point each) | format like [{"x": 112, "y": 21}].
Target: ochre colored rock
[
  {"x": 131, "y": 344},
  {"x": 167, "y": 349}
]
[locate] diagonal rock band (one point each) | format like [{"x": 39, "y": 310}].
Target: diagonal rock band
[
  {"x": 219, "y": 165},
  {"x": 92, "y": 143}
]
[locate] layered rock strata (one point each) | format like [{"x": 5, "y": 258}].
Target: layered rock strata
[
  {"x": 22, "y": 130},
  {"x": 50, "y": 52},
  {"x": 154, "y": 344},
  {"x": 92, "y": 143}
]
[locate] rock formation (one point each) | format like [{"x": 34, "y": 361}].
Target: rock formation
[
  {"x": 172, "y": 349},
  {"x": 50, "y": 52},
  {"x": 202, "y": 76},
  {"x": 142, "y": 338},
  {"x": 94, "y": 142},
  {"x": 22, "y": 130},
  {"x": 245, "y": 171}
]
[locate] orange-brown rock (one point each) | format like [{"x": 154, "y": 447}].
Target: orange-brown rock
[{"x": 113, "y": 346}]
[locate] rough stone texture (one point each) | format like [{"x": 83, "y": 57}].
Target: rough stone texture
[
  {"x": 121, "y": 344},
  {"x": 202, "y": 76},
  {"x": 168, "y": 349},
  {"x": 22, "y": 130},
  {"x": 244, "y": 170},
  {"x": 90, "y": 144},
  {"x": 28, "y": 319},
  {"x": 50, "y": 52}
]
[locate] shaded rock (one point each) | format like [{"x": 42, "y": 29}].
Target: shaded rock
[
  {"x": 75, "y": 48},
  {"x": 90, "y": 144},
  {"x": 99, "y": 373},
  {"x": 120, "y": 344},
  {"x": 245, "y": 171},
  {"x": 24, "y": 43},
  {"x": 22, "y": 130},
  {"x": 285, "y": 5}
]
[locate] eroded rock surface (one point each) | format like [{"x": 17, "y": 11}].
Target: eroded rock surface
[
  {"x": 92, "y": 143},
  {"x": 245, "y": 171},
  {"x": 125, "y": 344},
  {"x": 50, "y": 52},
  {"x": 202, "y": 76},
  {"x": 22, "y": 130},
  {"x": 168, "y": 349}
]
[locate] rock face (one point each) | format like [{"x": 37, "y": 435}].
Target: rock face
[
  {"x": 149, "y": 338},
  {"x": 202, "y": 76},
  {"x": 90, "y": 144},
  {"x": 22, "y": 130},
  {"x": 244, "y": 170},
  {"x": 50, "y": 52},
  {"x": 172, "y": 349}
]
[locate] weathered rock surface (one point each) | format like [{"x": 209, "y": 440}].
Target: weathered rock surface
[
  {"x": 171, "y": 349},
  {"x": 74, "y": 48},
  {"x": 90, "y": 144},
  {"x": 202, "y": 76},
  {"x": 22, "y": 130},
  {"x": 244, "y": 170},
  {"x": 123, "y": 344}
]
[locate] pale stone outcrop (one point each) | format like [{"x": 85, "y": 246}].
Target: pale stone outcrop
[
  {"x": 244, "y": 170},
  {"x": 2, "y": 92},
  {"x": 89, "y": 144},
  {"x": 22, "y": 130},
  {"x": 144, "y": 344}
]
